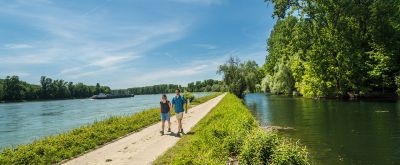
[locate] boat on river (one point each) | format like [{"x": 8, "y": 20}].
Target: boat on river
[{"x": 110, "y": 96}]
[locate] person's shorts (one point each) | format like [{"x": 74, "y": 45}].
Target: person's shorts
[
  {"x": 179, "y": 115},
  {"x": 165, "y": 116}
]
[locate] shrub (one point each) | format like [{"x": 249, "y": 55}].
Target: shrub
[
  {"x": 288, "y": 152},
  {"x": 258, "y": 147},
  {"x": 189, "y": 96},
  {"x": 263, "y": 147}
]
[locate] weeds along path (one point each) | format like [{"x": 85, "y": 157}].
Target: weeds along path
[{"x": 145, "y": 146}]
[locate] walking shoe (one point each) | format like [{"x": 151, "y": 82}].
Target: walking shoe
[{"x": 162, "y": 132}]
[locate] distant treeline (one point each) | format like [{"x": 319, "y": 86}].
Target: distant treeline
[
  {"x": 198, "y": 86},
  {"x": 209, "y": 85},
  {"x": 155, "y": 89},
  {"x": 13, "y": 89}
]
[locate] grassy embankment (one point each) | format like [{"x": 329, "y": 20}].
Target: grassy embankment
[
  {"x": 56, "y": 148},
  {"x": 230, "y": 132}
]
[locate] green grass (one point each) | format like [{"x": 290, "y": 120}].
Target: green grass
[
  {"x": 230, "y": 132},
  {"x": 56, "y": 148}
]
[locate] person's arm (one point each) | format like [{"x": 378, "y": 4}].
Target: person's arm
[
  {"x": 186, "y": 105},
  {"x": 170, "y": 108},
  {"x": 160, "y": 107},
  {"x": 172, "y": 104}
]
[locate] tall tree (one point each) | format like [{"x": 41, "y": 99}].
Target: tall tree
[
  {"x": 233, "y": 76},
  {"x": 12, "y": 88},
  {"x": 98, "y": 89}
]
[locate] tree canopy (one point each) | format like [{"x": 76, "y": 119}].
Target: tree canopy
[
  {"x": 332, "y": 48},
  {"x": 240, "y": 77}
]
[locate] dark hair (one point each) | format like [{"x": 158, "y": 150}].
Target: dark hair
[
  {"x": 178, "y": 90},
  {"x": 164, "y": 95}
]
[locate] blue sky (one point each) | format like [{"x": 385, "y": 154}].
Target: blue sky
[{"x": 127, "y": 43}]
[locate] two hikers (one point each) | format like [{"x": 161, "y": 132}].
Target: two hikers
[{"x": 179, "y": 104}]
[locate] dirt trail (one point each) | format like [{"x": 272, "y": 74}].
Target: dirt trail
[{"x": 145, "y": 146}]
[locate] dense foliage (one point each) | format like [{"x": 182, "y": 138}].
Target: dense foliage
[
  {"x": 334, "y": 48},
  {"x": 240, "y": 77},
  {"x": 13, "y": 89},
  {"x": 209, "y": 85},
  {"x": 230, "y": 132},
  {"x": 54, "y": 149}
]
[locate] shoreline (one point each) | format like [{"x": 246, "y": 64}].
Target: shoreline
[
  {"x": 392, "y": 97},
  {"x": 44, "y": 100}
]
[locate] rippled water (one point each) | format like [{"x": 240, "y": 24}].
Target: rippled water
[
  {"x": 24, "y": 122},
  {"x": 334, "y": 131}
]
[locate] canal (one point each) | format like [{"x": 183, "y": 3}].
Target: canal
[{"x": 335, "y": 131}]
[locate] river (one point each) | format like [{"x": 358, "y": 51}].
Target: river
[
  {"x": 335, "y": 131},
  {"x": 21, "y": 123}
]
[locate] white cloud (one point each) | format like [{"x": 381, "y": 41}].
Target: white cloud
[
  {"x": 17, "y": 46},
  {"x": 112, "y": 60},
  {"x": 157, "y": 76},
  {"x": 206, "y": 46},
  {"x": 102, "y": 71},
  {"x": 28, "y": 59}
]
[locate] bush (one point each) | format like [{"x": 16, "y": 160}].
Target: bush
[
  {"x": 263, "y": 147},
  {"x": 288, "y": 152},
  {"x": 258, "y": 147},
  {"x": 189, "y": 96}
]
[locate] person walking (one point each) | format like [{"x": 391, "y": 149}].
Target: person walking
[
  {"x": 178, "y": 103},
  {"x": 165, "y": 107}
]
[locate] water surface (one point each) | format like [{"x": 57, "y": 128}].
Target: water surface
[{"x": 335, "y": 131}]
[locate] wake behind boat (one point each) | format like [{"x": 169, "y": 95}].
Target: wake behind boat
[{"x": 110, "y": 96}]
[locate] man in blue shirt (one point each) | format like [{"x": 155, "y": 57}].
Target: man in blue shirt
[{"x": 177, "y": 103}]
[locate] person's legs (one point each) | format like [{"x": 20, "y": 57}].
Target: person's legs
[
  {"x": 163, "y": 118},
  {"x": 179, "y": 117},
  {"x": 181, "y": 123},
  {"x": 169, "y": 125},
  {"x": 180, "y": 126}
]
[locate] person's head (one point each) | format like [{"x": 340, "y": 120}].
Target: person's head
[
  {"x": 177, "y": 91},
  {"x": 164, "y": 97}
]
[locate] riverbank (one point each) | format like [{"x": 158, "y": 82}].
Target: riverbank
[
  {"x": 54, "y": 149},
  {"x": 229, "y": 134}
]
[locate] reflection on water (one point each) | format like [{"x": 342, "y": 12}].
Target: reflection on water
[
  {"x": 24, "y": 122},
  {"x": 335, "y": 132}
]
